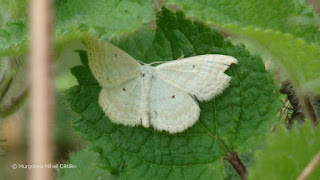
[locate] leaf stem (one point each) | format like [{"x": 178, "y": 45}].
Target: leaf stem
[
  {"x": 308, "y": 170},
  {"x": 237, "y": 164},
  {"x": 232, "y": 157}
]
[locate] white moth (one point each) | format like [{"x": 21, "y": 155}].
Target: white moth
[{"x": 163, "y": 96}]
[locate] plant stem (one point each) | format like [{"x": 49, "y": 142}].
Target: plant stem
[
  {"x": 308, "y": 170},
  {"x": 232, "y": 157},
  {"x": 237, "y": 164},
  {"x": 41, "y": 92}
]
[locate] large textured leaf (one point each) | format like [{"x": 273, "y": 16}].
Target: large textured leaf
[
  {"x": 297, "y": 59},
  {"x": 109, "y": 17},
  {"x": 75, "y": 18},
  {"x": 274, "y": 20},
  {"x": 104, "y": 18},
  {"x": 240, "y": 118},
  {"x": 287, "y": 154},
  {"x": 267, "y": 14}
]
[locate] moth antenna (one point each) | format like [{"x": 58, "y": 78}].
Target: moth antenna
[
  {"x": 181, "y": 57},
  {"x": 158, "y": 62},
  {"x": 141, "y": 62}
]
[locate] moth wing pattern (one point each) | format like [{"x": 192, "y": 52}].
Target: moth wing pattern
[
  {"x": 122, "y": 103},
  {"x": 171, "y": 109},
  {"x": 110, "y": 65},
  {"x": 202, "y": 76},
  {"x": 174, "y": 86}
]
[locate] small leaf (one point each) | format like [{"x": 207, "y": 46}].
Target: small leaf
[{"x": 13, "y": 39}]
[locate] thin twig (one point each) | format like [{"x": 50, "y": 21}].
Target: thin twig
[
  {"x": 41, "y": 93},
  {"x": 308, "y": 170}
]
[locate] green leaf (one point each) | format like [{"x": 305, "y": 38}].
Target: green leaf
[
  {"x": 105, "y": 19},
  {"x": 13, "y": 27},
  {"x": 74, "y": 19},
  {"x": 298, "y": 60},
  {"x": 13, "y": 10},
  {"x": 287, "y": 154},
  {"x": 231, "y": 174},
  {"x": 66, "y": 139},
  {"x": 268, "y": 14},
  {"x": 13, "y": 86},
  {"x": 240, "y": 117},
  {"x": 85, "y": 167},
  {"x": 13, "y": 38},
  {"x": 277, "y": 25}
]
